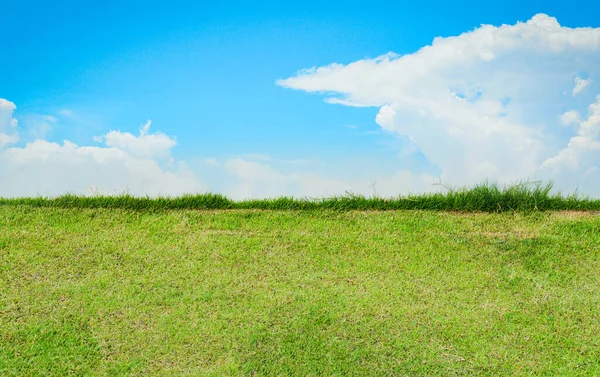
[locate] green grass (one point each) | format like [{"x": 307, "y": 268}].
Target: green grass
[
  {"x": 486, "y": 197},
  {"x": 118, "y": 292}
]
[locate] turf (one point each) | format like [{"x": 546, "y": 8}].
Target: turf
[{"x": 99, "y": 292}]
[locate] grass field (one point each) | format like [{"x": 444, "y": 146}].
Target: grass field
[
  {"x": 110, "y": 292},
  {"x": 485, "y": 197}
]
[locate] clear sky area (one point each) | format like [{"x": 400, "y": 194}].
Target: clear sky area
[{"x": 306, "y": 99}]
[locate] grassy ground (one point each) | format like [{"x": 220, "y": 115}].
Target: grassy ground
[
  {"x": 303, "y": 293},
  {"x": 485, "y": 197}
]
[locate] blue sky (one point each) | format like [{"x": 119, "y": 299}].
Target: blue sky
[{"x": 206, "y": 75}]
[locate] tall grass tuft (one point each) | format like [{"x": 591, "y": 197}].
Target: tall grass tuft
[{"x": 484, "y": 197}]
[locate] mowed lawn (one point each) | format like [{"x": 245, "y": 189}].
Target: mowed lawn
[{"x": 95, "y": 292}]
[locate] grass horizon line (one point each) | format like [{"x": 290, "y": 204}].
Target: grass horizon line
[{"x": 525, "y": 196}]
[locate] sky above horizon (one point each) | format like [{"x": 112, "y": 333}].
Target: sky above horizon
[{"x": 307, "y": 99}]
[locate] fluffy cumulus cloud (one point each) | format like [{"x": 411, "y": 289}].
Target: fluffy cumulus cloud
[
  {"x": 139, "y": 165},
  {"x": 145, "y": 145},
  {"x": 491, "y": 103},
  {"x": 579, "y": 160}
]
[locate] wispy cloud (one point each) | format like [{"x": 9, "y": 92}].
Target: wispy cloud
[
  {"x": 580, "y": 84},
  {"x": 68, "y": 113}
]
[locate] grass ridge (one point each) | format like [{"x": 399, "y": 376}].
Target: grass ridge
[{"x": 484, "y": 197}]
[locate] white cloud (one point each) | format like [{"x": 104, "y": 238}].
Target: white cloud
[
  {"x": 570, "y": 117},
  {"x": 125, "y": 163},
  {"x": 67, "y": 113},
  {"x": 253, "y": 179},
  {"x": 145, "y": 145},
  {"x": 385, "y": 118},
  {"x": 211, "y": 161},
  {"x": 38, "y": 126},
  {"x": 7, "y": 139},
  {"x": 8, "y": 125},
  {"x": 482, "y": 105},
  {"x": 580, "y": 84},
  {"x": 142, "y": 165},
  {"x": 45, "y": 168},
  {"x": 583, "y": 150}
]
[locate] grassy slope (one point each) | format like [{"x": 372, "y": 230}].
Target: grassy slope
[{"x": 114, "y": 292}]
